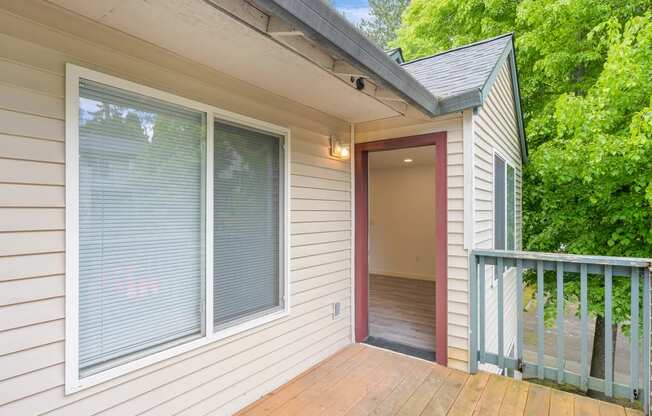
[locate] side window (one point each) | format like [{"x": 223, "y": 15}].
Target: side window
[
  {"x": 511, "y": 209},
  {"x": 504, "y": 205}
]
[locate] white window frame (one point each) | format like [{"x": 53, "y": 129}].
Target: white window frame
[
  {"x": 493, "y": 198},
  {"x": 73, "y": 382},
  {"x": 497, "y": 153}
]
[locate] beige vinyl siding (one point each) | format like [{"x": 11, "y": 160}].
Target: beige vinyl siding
[
  {"x": 219, "y": 377},
  {"x": 458, "y": 297},
  {"x": 495, "y": 129}
]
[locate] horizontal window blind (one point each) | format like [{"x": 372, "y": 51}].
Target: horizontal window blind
[
  {"x": 141, "y": 220},
  {"x": 247, "y": 222}
]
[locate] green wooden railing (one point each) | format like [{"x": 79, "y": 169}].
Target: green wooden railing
[{"x": 499, "y": 262}]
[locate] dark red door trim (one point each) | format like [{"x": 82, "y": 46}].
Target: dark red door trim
[{"x": 441, "y": 230}]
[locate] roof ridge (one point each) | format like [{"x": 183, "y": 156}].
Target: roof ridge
[{"x": 480, "y": 42}]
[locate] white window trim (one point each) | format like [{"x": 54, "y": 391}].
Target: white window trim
[
  {"x": 73, "y": 382},
  {"x": 496, "y": 152},
  {"x": 493, "y": 198}
]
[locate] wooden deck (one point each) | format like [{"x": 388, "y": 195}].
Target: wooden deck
[{"x": 362, "y": 380}]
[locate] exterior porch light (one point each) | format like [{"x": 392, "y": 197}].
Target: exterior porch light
[{"x": 339, "y": 148}]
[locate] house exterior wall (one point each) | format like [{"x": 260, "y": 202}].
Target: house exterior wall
[
  {"x": 221, "y": 377},
  {"x": 495, "y": 130},
  {"x": 458, "y": 298}
]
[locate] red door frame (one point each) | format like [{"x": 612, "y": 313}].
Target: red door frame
[{"x": 441, "y": 233}]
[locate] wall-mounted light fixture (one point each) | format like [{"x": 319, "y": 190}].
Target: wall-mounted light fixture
[
  {"x": 340, "y": 149},
  {"x": 408, "y": 160}
]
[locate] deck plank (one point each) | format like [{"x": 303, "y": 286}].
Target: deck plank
[
  {"x": 538, "y": 401},
  {"x": 562, "y": 403},
  {"x": 403, "y": 391},
  {"x": 443, "y": 399},
  {"x": 515, "y": 398},
  {"x": 323, "y": 370},
  {"x": 347, "y": 392},
  {"x": 422, "y": 395},
  {"x": 492, "y": 396},
  {"x": 388, "y": 380},
  {"x": 586, "y": 407},
  {"x": 610, "y": 409},
  {"x": 470, "y": 394},
  {"x": 314, "y": 397},
  {"x": 633, "y": 412}
]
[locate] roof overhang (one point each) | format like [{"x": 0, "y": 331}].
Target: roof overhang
[
  {"x": 325, "y": 26},
  {"x": 260, "y": 46}
]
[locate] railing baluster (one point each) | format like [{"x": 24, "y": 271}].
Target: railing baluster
[
  {"x": 500, "y": 270},
  {"x": 646, "y": 340},
  {"x": 633, "y": 355},
  {"x": 608, "y": 334},
  {"x": 482, "y": 314},
  {"x": 560, "y": 322},
  {"x": 473, "y": 333},
  {"x": 584, "y": 329},
  {"x": 540, "y": 329},
  {"x": 519, "y": 311},
  {"x": 609, "y": 267}
]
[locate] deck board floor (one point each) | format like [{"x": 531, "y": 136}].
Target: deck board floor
[{"x": 362, "y": 380}]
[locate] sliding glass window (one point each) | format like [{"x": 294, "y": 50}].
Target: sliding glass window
[
  {"x": 141, "y": 234},
  {"x": 248, "y": 224},
  {"x": 176, "y": 225},
  {"x": 504, "y": 205}
]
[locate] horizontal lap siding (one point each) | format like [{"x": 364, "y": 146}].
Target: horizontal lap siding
[
  {"x": 495, "y": 128},
  {"x": 219, "y": 377}
]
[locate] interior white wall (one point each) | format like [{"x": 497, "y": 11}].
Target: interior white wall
[{"x": 402, "y": 221}]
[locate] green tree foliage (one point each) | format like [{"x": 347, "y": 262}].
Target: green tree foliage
[
  {"x": 591, "y": 183},
  {"x": 385, "y": 20},
  {"x": 586, "y": 86},
  {"x": 431, "y": 26},
  {"x": 593, "y": 176}
]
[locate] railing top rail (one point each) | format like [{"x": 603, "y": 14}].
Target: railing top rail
[{"x": 568, "y": 258}]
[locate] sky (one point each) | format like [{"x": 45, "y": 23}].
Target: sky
[{"x": 354, "y": 10}]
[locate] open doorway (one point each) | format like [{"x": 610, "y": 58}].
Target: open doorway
[
  {"x": 401, "y": 245},
  {"x": 402, "y": 250}
]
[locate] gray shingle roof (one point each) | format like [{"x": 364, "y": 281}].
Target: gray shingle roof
[
  {"x": 460, "y": 78},
  {"x": 459, "y": 70}
]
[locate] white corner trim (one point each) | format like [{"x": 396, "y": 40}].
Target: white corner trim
[
  {"x": 73, "y": 382},
  {"x": 468, "y": 140}
]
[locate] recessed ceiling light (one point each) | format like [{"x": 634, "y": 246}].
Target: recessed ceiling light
[{"x": 408, "y": 160}]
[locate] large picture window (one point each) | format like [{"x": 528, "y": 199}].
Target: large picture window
[
  {"x": 140, "y": 224},
  {"x": 504, "y": 205},
  {"x": 176, "y": 225}
]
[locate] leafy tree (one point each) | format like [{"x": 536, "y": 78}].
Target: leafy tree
[
  {"x": 385, "y": 20},
  {"x": 586, "y": 99},
  {"x": 431, "y": 26},
  {"x": 593, "y": 177}
]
